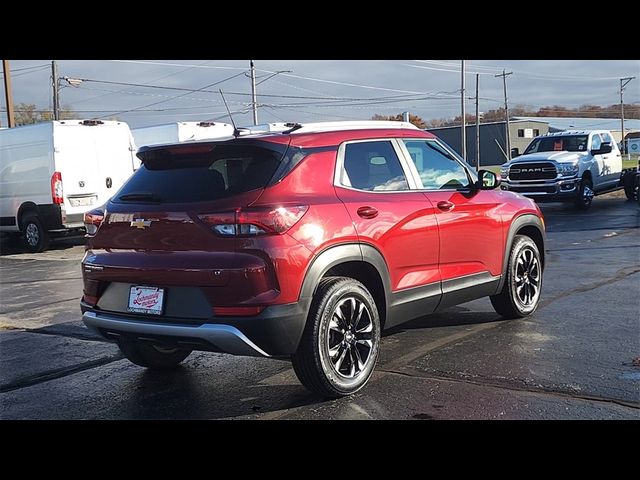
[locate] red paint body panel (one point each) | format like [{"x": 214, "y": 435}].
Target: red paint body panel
[
  {"x": 404, "y": 231},
  {"x": 420, "y": 243},
  {"x": 471, "y": 232}
]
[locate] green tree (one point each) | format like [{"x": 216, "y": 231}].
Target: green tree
[{"x": 28, "y": 113}]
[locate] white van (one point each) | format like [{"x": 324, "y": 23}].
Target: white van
[
  {"x": 51, "y": 173},
  {"x": 180, "y": 132}
]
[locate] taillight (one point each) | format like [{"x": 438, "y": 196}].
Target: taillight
[
  {"x": 93, "y": 219},
  {"x": 254, "y": 221},
  {"x": 56, "y": 188}
]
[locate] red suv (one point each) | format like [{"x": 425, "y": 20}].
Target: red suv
[{"x": 303, "y": 244}]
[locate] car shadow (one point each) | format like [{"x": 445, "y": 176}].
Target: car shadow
[
  {"x": 452, "y": 316},
  {"x": 186, "y": 393}
]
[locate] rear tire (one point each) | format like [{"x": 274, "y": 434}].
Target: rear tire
[
  {"x": 340, "y": 344},
  {"x": 520, "y": 294},
  {"x": 35, "y": 237},
  {"x": 152, "y": 356},
  {"x": 585, "y": 194},
  {"x": 629, "y": 182}
]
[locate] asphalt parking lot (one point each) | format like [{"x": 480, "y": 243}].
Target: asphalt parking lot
[{"x": 578, "y": 357}]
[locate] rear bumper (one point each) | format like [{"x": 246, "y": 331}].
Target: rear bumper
[{"x": 275, "y": 332}]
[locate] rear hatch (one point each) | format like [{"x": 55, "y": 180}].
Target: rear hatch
[{"x": 160, "y": 228}]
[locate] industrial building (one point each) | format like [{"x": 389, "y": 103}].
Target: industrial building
[
  {"x": 492, "y": 139},
  {"x": 522, "y": 130}
]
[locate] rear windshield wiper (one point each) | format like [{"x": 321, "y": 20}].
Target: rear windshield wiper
[{"x": 140, "y": 196}]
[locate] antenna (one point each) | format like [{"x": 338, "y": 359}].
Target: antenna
[{"x": 236, "y": 132}]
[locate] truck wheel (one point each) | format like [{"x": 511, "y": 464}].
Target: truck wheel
[
  {"x": 520, "y": 293},
  {"x": 585, "y": 194},
  {"x": 36, "y": 238},
  {"x": 151, "y": 356},
  {"x": 629, "y": 182},
  {"x": 340, "y": 344}
]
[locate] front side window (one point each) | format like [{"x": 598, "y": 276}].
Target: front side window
[
  {"x": 438, "y": 169},
  {"x": 373, "y": 166},
  {"x": 596, "y": 142}
]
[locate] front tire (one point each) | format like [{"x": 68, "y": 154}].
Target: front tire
[
  {"x": 585, "y": 194},
  {"x": 152, "y": 356},
  {"x": 340, "y": 344},
  {"x": 35, "y": 237},
  {"x": 520, "y": 294}
]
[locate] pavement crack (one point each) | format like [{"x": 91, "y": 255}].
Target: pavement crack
[
  {"x": 620, "y": 274},
  {"x": 78, "y": 336},
  {"x": 24, "y": 307},
  {"x": 40, "y": 281},
  {"x": 57, "y": 373},
  {"x": 542, "y": 391}
]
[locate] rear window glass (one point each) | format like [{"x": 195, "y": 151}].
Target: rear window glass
[{"x": 201, "y": 173}]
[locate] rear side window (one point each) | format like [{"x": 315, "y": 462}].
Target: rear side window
[
  {"x": 373, "y": 166},
  {"x": 199, "y": 173},
  {"x": 436, "y": 167}
]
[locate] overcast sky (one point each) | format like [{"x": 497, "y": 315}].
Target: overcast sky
[{"x": 330, "y": 90}]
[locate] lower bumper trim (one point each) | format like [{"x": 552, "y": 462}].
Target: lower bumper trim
[{"x": 226, "y": 338}]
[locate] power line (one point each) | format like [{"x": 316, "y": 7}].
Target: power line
[
  {"x": 29, "y": 68},
  {"x": 166, "y": 64},
  {"x": 334, "y": 82},
  {"x": 443, "y": 70},
  {"x": 184, "y": 89},
  {"x": 146, "y": 83},
  {"x": 181, "y": 95}
]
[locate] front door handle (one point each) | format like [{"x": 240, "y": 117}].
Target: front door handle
[
  {"x": 445, "y": 206},
  {"x": 367, "y": 212}
]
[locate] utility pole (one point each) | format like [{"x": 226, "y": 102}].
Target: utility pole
[
  {"x": 56, "y": 90},
  {"x": 11, "y": 121},
  {"x": 504, "y": 76},
  {"x": 477, "y": 124},
  {"x": 623, "y": 83},
  {"x": 254, "y": 97},
  {"x": 463, "y": 152}
]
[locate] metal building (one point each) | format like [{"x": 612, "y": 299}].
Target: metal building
[{"x": 492, "y": 139}]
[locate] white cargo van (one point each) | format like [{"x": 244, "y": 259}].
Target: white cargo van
[
  {"x": 51, "y": 173},
  {"x": 180, "y": 132}
]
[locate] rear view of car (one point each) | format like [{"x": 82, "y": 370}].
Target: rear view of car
[{"x": 180, "y": 243}]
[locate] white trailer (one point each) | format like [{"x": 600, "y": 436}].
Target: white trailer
[
  {"x": 180, "y": 132},
  {"x": 51, "y": 173}
]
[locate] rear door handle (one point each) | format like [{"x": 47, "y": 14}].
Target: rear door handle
[
  {"x": 367, "y": 212},
  {"x": 445, "y": 206}
]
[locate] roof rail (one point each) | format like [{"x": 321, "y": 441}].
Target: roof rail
[
  {"x": 348, "y": 125},
  {"x": 265, "y": 128}
]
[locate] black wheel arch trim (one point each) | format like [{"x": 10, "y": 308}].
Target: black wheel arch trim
[
  {"x": 525, "y": 220},
  {"x": 343, "y": 253}
]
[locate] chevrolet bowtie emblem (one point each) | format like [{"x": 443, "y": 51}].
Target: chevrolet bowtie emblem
[{"x": 141, "y": 223}]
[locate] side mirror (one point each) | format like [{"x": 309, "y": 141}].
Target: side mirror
[
  {"x": 487, "y": 180},
  {"x": 604, "y": 149},
  {"x": 515, "y": 152}
]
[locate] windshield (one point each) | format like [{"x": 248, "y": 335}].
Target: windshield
[{"x": 567, "y": 143}]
